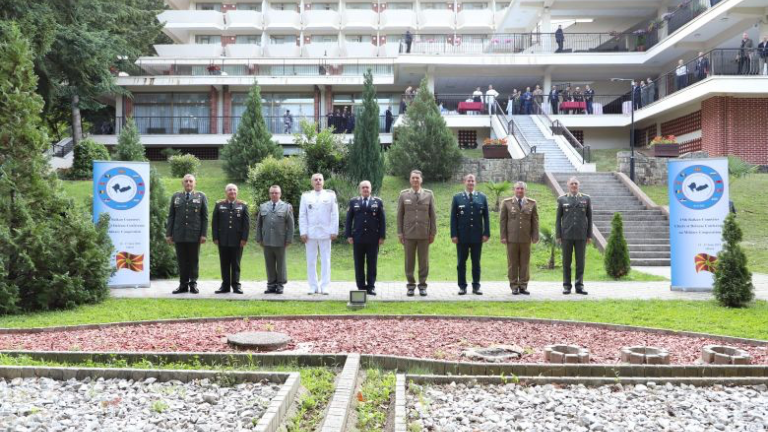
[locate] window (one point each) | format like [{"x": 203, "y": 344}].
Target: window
[
  {"x": 274, "y": 106},
  {"x": 324, "y": 39},
  {"x": 501, "y": 6},
  {"x": 358, "y": 38},
  {"x": 207, "y": 40},
  {"x": 248, "y": 39},
  {"x": 400, "y": 6},
  {"x": 359, "y": 6},
  {"x": 434, "y": 6},
  {"x": 474, "y": 6},
  {"x": 249, "y": 6},
  {"x": 282, "y": 39},
  {"x": 323, "y": 6},
  {"x": 209, "y": 6},
  {"x": 284, "y": 6},
  {"x": 177, "y": 113}
]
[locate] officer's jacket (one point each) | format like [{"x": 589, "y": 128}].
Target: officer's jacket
[
  {"x": 231, "y": 223},
  {"x": 274, "y": 228},
  {"x": 574, "y": 217},
  {"x": 469, "y": 219},
  {"x": 319, "y": 214},
  {"x": 519, "y": 225},
  {"x": 187, "y": 219},
  {"x": 365, "y": 224},
  {"x": 416, "y": 219}
]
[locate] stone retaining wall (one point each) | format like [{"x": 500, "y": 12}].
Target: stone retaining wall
[
  {"x": 651, "y": 170},
  {"x": 528, "y": 169}
]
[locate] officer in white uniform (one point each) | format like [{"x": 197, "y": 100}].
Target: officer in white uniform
[{"x": 318, "y": 226}]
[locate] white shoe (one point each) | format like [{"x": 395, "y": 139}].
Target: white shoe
[
  {"x": 311, "y": 293},
  {"x": 323, "y": 293}
]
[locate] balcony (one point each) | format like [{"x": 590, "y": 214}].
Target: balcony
[
  {"x": 391, "y": 49},
  {"x": 321, "y": 20},
  {"x": 437, "y": 20},
  {"x": 282, "y": 20},
  {"x": 398, "y": 20},
  {"x": 189, "y": 50},
  {"x": 243, "y": 50},
  {"x": 474, "y": 21},
  {"x": 359, "y": 49},
  {"x": 180, "y": 23},
  {"x": 355, "y": 19},
  {"x": 321, "y": 50},
  {"x": 244, "y": 20},
  {"x": 282, "y": 50}
]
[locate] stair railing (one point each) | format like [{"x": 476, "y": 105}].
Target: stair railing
[
  {"x": 558, "y": 128},
  {"x": 511, "y": 128}
]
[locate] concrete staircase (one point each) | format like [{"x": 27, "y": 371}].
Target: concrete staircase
[
  {"x": 646, "y": 231},
  {"x": 554, "y": 160}
]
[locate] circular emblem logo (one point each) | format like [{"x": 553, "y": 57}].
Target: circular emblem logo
[
  {"x": 121, "y": 188},
  {"x": 698, "y": 187}
]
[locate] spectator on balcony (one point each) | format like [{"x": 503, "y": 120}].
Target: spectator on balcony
[
  {"x": 538, "y": 96},
  {"x": 329, "y": 120},
  {"x": 554, "y": 99},
  {"x": 589, "y": 97},
  {"x": 643, "y": 94},
  {"x": 559, "y": 38},
  {"x": 681, "y": 75},
  {"x": 567, "y": 94},
  {"x": 336, "y": 122},
  {"x": 702, "y": 67},
  {"x": 745, "y": 54},
  {"x": 651, "y": 86},
  {"x": 527, "y": 101},
  {"x": 578, "y": 97},
  {"x": 351, "y": 123},
  {"x": 403, "y": 106},
  {"x": 637, "y": 93},
  {"x": 762, "y": 52},
  {"x": 287, "y": 122},
  {"x": 477, "y": 95},
  {"x": 388, "y": 118},
  {"x": 518, "y": 105},
  {"x": 343, "y": 118},
  {"x": 490, "y": 99},
  {"x": 511, "y": 103},
  {"x": 408, "y": 41}
]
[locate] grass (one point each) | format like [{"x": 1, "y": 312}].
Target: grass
[
  {"x": 374, "y": 400},
  {"x": 751, "y": 322},
  {"x": 751, "y": 207},
  {"x": 319, "y": 383},
  {"x": 475, "y": 153},
  {"x": 605, "y": 159},
  {"x": 211, "y": 181}
]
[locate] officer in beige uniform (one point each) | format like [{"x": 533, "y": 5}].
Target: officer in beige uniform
[
  {"x": 416, "y": 230},
  {"x": 519, "y": 222}
]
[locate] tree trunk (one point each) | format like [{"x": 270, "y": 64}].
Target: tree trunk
[{"x": 77, "y": 125}]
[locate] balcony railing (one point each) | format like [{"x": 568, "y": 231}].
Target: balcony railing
[{"x": 253, "y": 67}]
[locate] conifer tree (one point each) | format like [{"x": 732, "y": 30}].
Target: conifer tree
[
  {"x": 251, "y": 143},
  {"x": 424, "y": 142},
  {"x": 129, "y": 147},
  {"x": 366, "y": 160},
  {"x": 616, "y": 259},
  {"x": 733, "y": 280}
]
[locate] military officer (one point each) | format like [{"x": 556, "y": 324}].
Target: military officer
[
  {"x": 574, "y": 231},
  {"x": 519, "y": 222},
  {"x": 274, "y": 232},
  {"x": 229, "y": 228},
  {"x": 318, "y": 226},
  {"x": 416, "y": 230},
  {"x": 470, "y": 228},
  {"x": 365, "y": 229},
  {"x": 186, "y": 228}
]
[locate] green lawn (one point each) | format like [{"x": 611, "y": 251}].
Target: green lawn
[
  {"x": 751, "y": 322},
  {"x": 751, "y": 213},
  {"x": 605, "y": 159},
  {"x": 211, "y": 181}
]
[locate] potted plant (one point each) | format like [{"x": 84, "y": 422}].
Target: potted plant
[
  {"x": 640, "y": 39},
  {"x": 495, "y": 148},
  {"x": 214, "y": 69},
  {"x": 665, "y": 146}
]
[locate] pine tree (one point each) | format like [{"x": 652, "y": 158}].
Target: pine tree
[
  {"x": 366, "y": 160},
  {"x": 424, "y": 142},
  {"x": 129, "y": 147},
  {"x": 733, "y": 280},
  {"x": 252, "y": 141},
  {"x": 616, "y": 259}
]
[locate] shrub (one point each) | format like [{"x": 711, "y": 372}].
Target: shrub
[
  {"x": 366, "y": 160},
  {"x": 345, "y": 190},
  {"x": 321, "y": 152},
  {"x": 616, "y": 259},
  {"x": 162, "y": 257},
  {"x": 129, "y": 147},
  {"x": 169, "y": 151},
  {"x": 85, "y": 152},
  {"x": 733, "y": 280},
  {"x": 286, "y": 173},
  {"x": 424, "y": 142},
  {"x": 183, "y": 165}
]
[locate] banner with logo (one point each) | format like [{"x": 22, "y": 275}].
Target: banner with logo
[
  {"x": 121, "y": 189},
  {"x": 698, "y": 205}
]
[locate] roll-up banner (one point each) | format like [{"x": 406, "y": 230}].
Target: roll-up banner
[
  {"x": 121, "y": 189},
  {"x": 698, "y": 205}
]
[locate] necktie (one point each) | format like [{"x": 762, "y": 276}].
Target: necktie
[
  {"x": 187, "y": 196},
  {"x": 365, "y": 203},
  {"x": 520, "y": 203},
  {"x": 470, "y": 197},
  {"x": 231, "y": 205},
  {"x": 273, "y": 206}
]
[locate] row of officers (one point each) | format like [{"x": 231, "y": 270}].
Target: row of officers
[{"x": 365, "y": 230}]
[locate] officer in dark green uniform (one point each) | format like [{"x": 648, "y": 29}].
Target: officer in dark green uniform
[
  {"x": 470, "y": 228},
  {"x": 229, "y": 229},
  {"x": 186, "y": 228},
  {"x": 574, "y": 231}
]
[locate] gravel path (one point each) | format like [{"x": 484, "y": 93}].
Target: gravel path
[
  {"x": 419, "y": 338},
  {"x": 647, "y": 408},
  {"x": 126, "y": 406}
]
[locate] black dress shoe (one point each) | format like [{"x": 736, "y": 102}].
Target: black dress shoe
[
  {"x": 182, "y": 289},
  {"x": 524, "y": 291},
  {"x": 581, "y": 291},
  {"x": 566, "y": 290},
  {"x": 411, "y": 291},
  {"x": 515, "y": 291},
  {"x": 237, "y": 290},
  {"x": 279, "y": 289},
  {"x": 476, "y": 291},
  {"x": 372, "y": 292},
  {"x": 222, "y": 290},
  {"x": 462, "y": 290},
  {"x": 271, "y": 290},
  {"x": 193, "y": 289},
  {"x": 422, "y": 292}
]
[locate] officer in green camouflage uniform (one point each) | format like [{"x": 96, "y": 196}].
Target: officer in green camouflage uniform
[
  {"x": 574, "y": 231},
  {"x": 186, "y": 228}
]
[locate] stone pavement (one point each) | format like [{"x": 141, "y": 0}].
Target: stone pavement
[{"x": 442, "y": 291}]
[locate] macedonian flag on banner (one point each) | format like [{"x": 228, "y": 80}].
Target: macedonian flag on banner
[
  {"x": 705, "y": 262},
  {"x": 132, "y": 262}
]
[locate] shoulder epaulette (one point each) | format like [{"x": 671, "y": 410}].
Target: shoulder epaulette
[
  {"x": 241, "y": 202},
  {"x": 221, "y": 201},
  {"x": 531, "y": 199},
  {"x": 507, "y": 199},
  {"x": 404, "y": 190},
  {"x": 565, "y": 194}
]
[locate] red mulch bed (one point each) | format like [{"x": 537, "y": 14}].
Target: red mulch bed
[{"x": 434, "y": 338}]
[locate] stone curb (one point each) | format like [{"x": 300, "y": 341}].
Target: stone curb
[
  {"x": 338, "y": 409},
  {"x": 401, "y": 414},
  {"x": 587, "y": 381},
  {"x": 618, "y": 327},
  {"x": 639, "y": 194},
  {"x": 269, "y": 422},
  {"x": 403, "y": 364}
]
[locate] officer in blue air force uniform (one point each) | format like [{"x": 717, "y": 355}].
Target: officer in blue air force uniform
[
  {"x": 470, "y": 228},
  {"x": 365, "y": 229}
]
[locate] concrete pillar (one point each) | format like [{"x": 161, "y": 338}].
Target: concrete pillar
[
  {"x": 431, "y": 78},
  {"x": 118, "y": 113},
  {"x": 547, "y": 83},
  {"x": 546, "y": 29}
]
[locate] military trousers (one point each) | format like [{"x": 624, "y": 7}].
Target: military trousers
[
  {"x": 187, "y": 258},
  {"x": 464, "y": 251},
  {"x": 412, "y": 248},
  {"x": 569, "y": 246},
  {"x": 365, "y": 255},
  {"x": 277, "y": 274},
  {"x": 518, "y": 264},
  {"x": 229, "y": 260}
]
